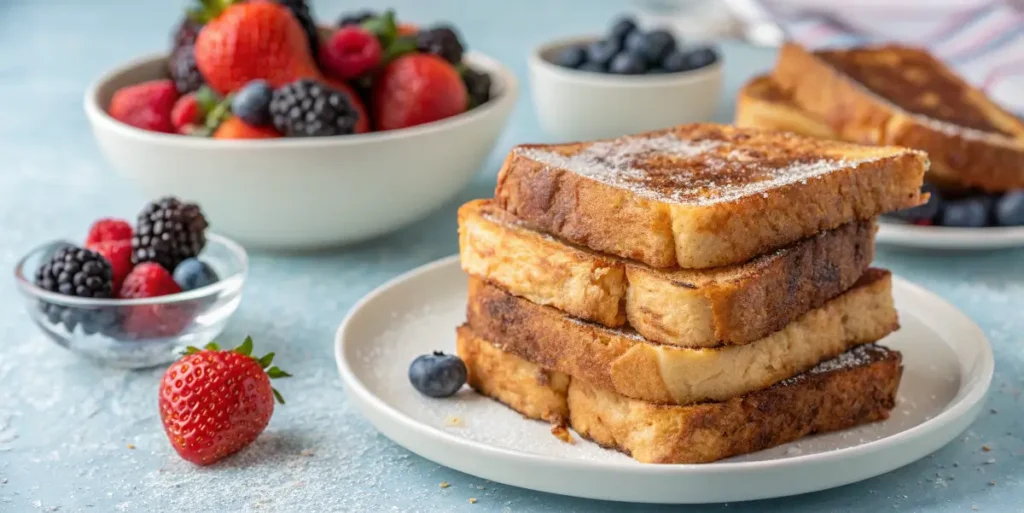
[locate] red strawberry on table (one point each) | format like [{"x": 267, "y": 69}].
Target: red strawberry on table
[
  {"x": 250, "y": 41},
  {"x": 416, "y": 89},
  {"x": 147, "y": 105},
  {"x": 215, "y": 402}
]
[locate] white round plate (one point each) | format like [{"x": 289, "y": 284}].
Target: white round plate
[
  {"x": 947, "y": 371},
  {"x": 946, "y": 237}
]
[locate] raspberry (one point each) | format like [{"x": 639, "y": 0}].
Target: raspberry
[
  {"x": 153, "y": 321},
  {"x": 147, "y": 105},
  {"x": 109, "y": 229},
  {"x": 350, "y": 52},
  {"x": 148, "y": 279},
  {"x": 186, "y": 113},
  {"x": 416, "y": 89},
  {"x": 119, "y": 255}
]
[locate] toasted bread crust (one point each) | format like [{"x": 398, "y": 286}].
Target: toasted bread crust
[
  {"x": 861, "y": 391},
  {"x": 622, "y": 361},
  {"x": 987, "y": 153},
  {"x": 640, "y": 220},
  {"x": 762, "y": 104},
  {"x": 704, "y": 308}
]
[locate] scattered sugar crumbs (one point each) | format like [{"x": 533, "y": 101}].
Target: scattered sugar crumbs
[
  {"x": 453, "y": 421},
  {"x": 472, "y": 500},
  {"x": 444, "y": 484},
  {"x": 131, "y": 446},
  {"x": 562, "y": 433},
  {"x": 986, "y": 448}
]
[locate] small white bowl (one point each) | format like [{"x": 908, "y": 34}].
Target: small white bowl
[
  {"x": 301, "y": 193},
  {"x": 580, "y": 105}
]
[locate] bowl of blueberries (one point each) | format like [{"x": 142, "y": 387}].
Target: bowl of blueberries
[
  {"x": 958, "y": 220},
  {"x": 134, "y": 296},
  {"x": 627, "y": 80}
]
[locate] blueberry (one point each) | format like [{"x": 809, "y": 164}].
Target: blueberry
[
  {"x": 1009, "y": 210},
  {"x": 193, "y": 273},
  {"x": 602, "y": 52},
  {"x": 927, "y": 212},
  {"x": 621, "y": 29},
  {"x": 966, "y": 213},
  {"x": 592, "y": 66},
  {"x": 696, "y": 58},
  {"x": 570, "y": 57},
  {"x": 628, "y": 63},
  {"x": 653, "y": 45},
  {"x": 252, "y": 103},
  {"x": 438, "y": 374}
]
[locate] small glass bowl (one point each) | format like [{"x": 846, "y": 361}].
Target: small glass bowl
[{"x": 137, "y": 333}]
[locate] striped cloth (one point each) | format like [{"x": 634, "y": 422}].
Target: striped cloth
[{"x": 982, "y": 40}]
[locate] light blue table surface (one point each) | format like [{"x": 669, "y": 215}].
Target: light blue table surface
[{"x": 66, "y": 425}]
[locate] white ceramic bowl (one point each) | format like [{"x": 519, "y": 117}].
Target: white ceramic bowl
[
  {"x": 579, "y": 105},
  {"x": 297, "y": 193}
]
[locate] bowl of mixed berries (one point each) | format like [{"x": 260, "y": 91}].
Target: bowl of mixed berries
[
  {"x": 132, "y": 296},
  {"x": 629, "y": 79},
  {"x": 297, "y": 136}
]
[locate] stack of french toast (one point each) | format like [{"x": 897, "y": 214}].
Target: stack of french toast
[
  {"x": 893, "y": 95},
  {"x": 689, "y": 294}
]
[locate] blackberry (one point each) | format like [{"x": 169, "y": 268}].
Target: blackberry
[
  {"x": 184, "y": 71},
  {"x": 478, "y": 86},
  {"x": 167, "y": 232},
  {"x": 441, "y": 41},
  {"x": 186, "y": 33},
  {"x": 356, "y": 18},
  {"x": 307, "y": 108},
  {"x": 300, "y": 9},
  {"x": 73, "y": 271}
]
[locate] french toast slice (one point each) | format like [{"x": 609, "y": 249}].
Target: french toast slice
[
  {"x": 762, "y": 104},
  {"x": 897, "y": 95},
  {"x": 622, "y": 361},
  {"x": 703, "y": 195},
  {"x": 856, "y": 387},
  {"x": 692, "y": 308}
]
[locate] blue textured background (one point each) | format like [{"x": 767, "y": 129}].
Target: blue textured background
[{"x": 66, "y": 425}]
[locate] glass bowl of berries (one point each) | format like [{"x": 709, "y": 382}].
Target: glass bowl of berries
[
  {"x": 301, "y": 137},
  {"x": 134, "y": 296},
  {"x": 627, "y": 80}
]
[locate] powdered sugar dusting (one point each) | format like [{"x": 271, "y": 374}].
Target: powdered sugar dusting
[
  {"x": 856, "y": 357},
  {"x": 697, "y": 171}
]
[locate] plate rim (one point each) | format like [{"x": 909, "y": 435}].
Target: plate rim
[
  {"x": 958, "y": 410},
  {"x": 948, "y": 237}
]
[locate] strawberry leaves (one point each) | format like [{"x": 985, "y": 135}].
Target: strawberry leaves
[{"x": 245, "y": 349}]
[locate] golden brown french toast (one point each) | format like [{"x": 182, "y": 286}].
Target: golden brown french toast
[
  {"x": 692, "y": 308},
  {"x": 904, "y": 96},
  {"x": 623, "y": 361},
  {"x": 762, "y": 104},
  {"x": 703, "y": 195},
  {"x": 856, "y": 387}
]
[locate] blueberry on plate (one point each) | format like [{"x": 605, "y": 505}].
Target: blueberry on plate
[
  {"x": 964, "y": 213},
  {"x": 602, "y": 52},
  {"x": 437, "y": 374},
  {"x": 193, "y": 273},
  {"x": 252, "y": 103},
  {"x": 621, "y": 29},
  {"x": 570, "y": 57},
  {"x": 592, "y": 66},
  {"x": 628, "y": 63},
  {"x": 927, "y": 212},
  {"x": 1009, "y": 209},
  {"x": 653, "y": 45}
]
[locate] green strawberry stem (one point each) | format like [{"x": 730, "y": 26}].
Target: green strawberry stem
[
  {"x": 219, "y": 113},
  {"x": 208, "y": 10},
  {"x": 245, "y": 349},
  {"x": 399, "y": 47},
  {"x": 384, "y": 27}
]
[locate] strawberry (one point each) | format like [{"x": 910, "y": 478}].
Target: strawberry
[
  {"x": 350, "y": 52},
  {"x": 150, "y": 279},
  {"x": 215, "y": 402},
  {"x": 363, "y": 125},
  {"x": 186, "y": 114},
  {"x": 235, "y": 128},
  {"x": 147, "y": 105},
  {"x": 416, "y": 89},
  {"x": 119, "y": 254},
  {"x": 109, "y": 228},
  {"x": 250, "y": 41}
]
